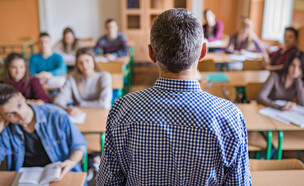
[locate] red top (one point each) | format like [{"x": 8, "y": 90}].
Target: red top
[
  {"x": 276, "y": 58},
  {"x": 33, "y": 90}
]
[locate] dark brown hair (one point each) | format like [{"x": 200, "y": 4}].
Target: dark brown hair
[
  {"x": 7, "y": 77},
  {"x": 284, "y": 71},
  {"x": 86, "y": 51},
  {"x": 6, "y": 93},
  {"x": 65, "y": 31}
]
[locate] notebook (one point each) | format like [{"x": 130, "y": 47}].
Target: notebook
[
  {"x": 217, "y": 77},
  {"x": 286, "y": 117}
]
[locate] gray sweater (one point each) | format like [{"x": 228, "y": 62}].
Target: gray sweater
[
  {"x": 94, "y": 92},
  {"x": 274, "y": 89}
]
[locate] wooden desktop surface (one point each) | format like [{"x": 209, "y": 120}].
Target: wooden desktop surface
[
  {"x": 223, "y": 57},
  {"x": 71, "y": 178},
  {"x": 242, "y": 78},
  {"x": 278, "y": 177},
  {"x": 258, "y": 122},
  {"x": 95, "y": 121},
  {"x": 255, "y": 121}
]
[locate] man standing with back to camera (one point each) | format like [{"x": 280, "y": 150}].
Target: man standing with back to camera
[{"x": 174, "y": 133}]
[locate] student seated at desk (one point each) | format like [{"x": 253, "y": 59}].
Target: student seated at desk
[
  {"x": 244, "y": 39},
  {"x": 213, "y": 29},
  {"x": 87, "y": 86},
  {"x": 114, "y": 44},
  {"x": 36, "y": 135},
  {"x": 286, "y": 84},
  {"x": 46, "y": 63},
  {"x": 280, "y": 57},
  {"x": 16, "y": 73},
  {"x": 69, "y": 43}
]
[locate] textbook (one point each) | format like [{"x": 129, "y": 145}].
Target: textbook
[
  {"x": 286, "y": 117},
  {"x": 40, "y": 176}
]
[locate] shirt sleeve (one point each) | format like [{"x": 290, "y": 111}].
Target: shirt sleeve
[
  {"x": 98, "y": 47},
  {"x": 110, "y": 172},
  {"x": 300, "y": 90},
  {"x": 61, "y": 67},
  {"x": 124, "y": 49},
  {"x": 38, "y": 91},
  {"x": 4, "y": 138},
  {"x": 219, "y": 31},
  {"x": 258, "y": 46},
  {"x": 105, "y": 95},
  {"x": 231, "y": 45},
  {"x": 65, "y": 94},
  {"x": 238, "y": 173},
  {"x": 266, "y": 90},
  {"x": 75, "y": 139},
  {"x": 32, "y": 65}
]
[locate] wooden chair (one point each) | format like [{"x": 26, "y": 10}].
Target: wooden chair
[
  {"x": 287, "y": 164},
  {"x": 252, "y": 90},
  {"x": 206, "y": 66},
  {"x": 293, "y": 140},
  {"x": 221, "y": 90},
  {"x": 253, "y": 65},
  {"x": 256, "y": 142}
]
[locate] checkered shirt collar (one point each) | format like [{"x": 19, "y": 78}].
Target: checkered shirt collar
[{"x": 177, "y": 85}]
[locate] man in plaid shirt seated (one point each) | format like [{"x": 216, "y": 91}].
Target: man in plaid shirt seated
[{"x": 174, "y": 133}]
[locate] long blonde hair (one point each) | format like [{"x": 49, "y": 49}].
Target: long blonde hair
[{"x": 246, "y": 23}]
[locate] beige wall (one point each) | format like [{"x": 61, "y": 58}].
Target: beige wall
[{"x": 109, "y": 9}]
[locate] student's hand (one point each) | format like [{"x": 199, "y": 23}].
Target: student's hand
[
  {"x": 110, "y": 57},
  {"x": 73, "y": 111},
  {"x": 35, "y": 101},
  {"x": 65, "y": 166},
  {"x": 291, "y": 106},
  {"x": 44, "y": 75},
  {"x": 3, "y": 123}
]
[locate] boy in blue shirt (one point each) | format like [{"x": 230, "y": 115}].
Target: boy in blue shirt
[
  {"x": 36, "y": 135},
  {"x": 46, "y": 63}
]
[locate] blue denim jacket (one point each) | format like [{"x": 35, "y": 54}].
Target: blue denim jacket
[{"x": 58, "y": 136}]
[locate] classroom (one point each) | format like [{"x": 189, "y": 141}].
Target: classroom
[{"x": 152, "y": 92}]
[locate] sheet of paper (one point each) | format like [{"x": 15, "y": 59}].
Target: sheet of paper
[
  {"x": 78, "y": 119},
  {"x": 55, "y": 82},
  {"x": 273, "y": 113},
  {"x": 101, "y": 59}
]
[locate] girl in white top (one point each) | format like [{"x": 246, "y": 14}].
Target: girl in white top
[{"x": 87, "y": 86}]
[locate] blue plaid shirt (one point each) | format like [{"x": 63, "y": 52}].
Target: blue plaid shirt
[{"x": 174, "y": 134}]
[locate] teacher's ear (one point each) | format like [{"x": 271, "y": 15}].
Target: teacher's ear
[
  {"x": 204, "y": 51},
  {"x": 151, "y": 54}
]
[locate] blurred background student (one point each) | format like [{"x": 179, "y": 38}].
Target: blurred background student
[
  {"x": 69, "y": 44},
  {"x": 285, "y": 84},
  {"x": 244, "y": 39},
  {"x": 87, "y": 86},
  {"x": 112, "y": 45},
  {"x": 280, "y": 57},
  {"x": 47, "y": 63},
  {"x": 213, "y": 29},
  {"x": 16, "y": 73}
]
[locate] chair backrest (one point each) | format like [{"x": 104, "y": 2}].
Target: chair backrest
[
  {"x": 286, "y": 164},
  {"x": 253, "y": 65},
  {"x": 252, "y": 90},
  {"x": 206, "y": 66},
  {"x": 221, "y": 90}
]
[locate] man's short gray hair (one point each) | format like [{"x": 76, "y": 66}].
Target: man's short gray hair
[{"x": 176, "y": 39}]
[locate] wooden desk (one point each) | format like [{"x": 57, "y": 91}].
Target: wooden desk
[
  {"x": 242, "y": 78},
  {"x": 254, "y": 120},
  {"x": 95, "y": 121},
  {"x": 71, "y": 178},
  {"x": 224, "y": 57},
  {"x": 278, "y": 177}
]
